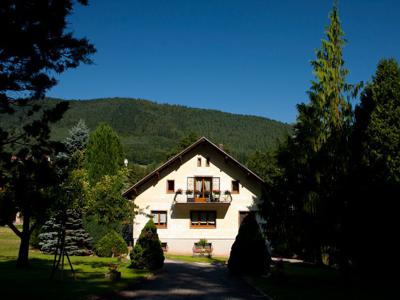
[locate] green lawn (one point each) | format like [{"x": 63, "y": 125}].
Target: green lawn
[
  {"x": 201, "y": 259},
  {"x": 310, "y": 282},
  {"x": 34, "y": 283}
]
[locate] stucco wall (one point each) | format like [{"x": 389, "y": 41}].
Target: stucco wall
[{"x": 178, "y": 234}]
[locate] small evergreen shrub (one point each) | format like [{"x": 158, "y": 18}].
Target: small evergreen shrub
[
  {"x": 112, "y": 244},
  {"x": 249, "y": 253},
  {"x": 147, "y": 252}
]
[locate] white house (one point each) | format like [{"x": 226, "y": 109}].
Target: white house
[{"x": 202, "y": 192}]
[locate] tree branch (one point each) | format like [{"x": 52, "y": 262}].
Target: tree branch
[{"x": 15, "y": 229}]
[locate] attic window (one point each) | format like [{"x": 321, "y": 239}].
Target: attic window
[
  {"x": 199, "y": 161},
  {"x": 235, "y": 186},
  {"x": 207, "y": 162},
  {"x": 170, "y": 186}
]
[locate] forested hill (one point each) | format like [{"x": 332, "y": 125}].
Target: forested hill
[{"x": 149, "y": 130}]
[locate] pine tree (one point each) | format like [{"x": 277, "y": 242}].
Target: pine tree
[
  {"x": 147, "y": 252},
  {"x": 104, "y": 153}
]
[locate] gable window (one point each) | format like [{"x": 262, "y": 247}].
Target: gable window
[
  {"x": 203, "y": 219},
  {"x": 199, "y": 161},
  {"x": 207, "y": 162},
  {"x": 170, "y": 186},
  {"x": 235, "y": 186},
  {"x": 159, "y": 218}
]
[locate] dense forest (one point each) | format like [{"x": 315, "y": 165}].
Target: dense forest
[{"x": 149, "y": 130}]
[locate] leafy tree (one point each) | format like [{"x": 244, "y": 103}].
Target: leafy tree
[
  {"x": 147, "y": 252},
  {"x": 34, "y": 48},
  {"x": 105, "y": 200},
  {"x": 249, "y": 253},
  {"x": 315, "y": 159},
  {"x": 375, "y": 175},
  {"x": 104, "y": 153}
]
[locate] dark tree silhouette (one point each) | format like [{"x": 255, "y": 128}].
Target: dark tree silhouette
[{"x": 35, "y": 46}]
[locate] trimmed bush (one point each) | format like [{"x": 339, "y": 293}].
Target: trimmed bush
[
  {"x": 249, "y": 253},
  {"x": 147, "y": 252},
  {"x": 112, "y": 244}
]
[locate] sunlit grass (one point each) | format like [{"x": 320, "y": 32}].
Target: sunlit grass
[
  {"x": 201, "y": 259},
  {"x": 35, "y": 283}
]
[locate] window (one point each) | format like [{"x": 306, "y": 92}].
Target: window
[
  {"x": 242, "y": 215},
  {"x": 159, "y": 218},
  {"x": 203, "y": 188},
  {"x": 235, "y": 186},
  {"x": 164, "y": 246},
  {"x": 203, "y": 219},
  {"x": 207, "y": 162},
  {"x": 199, "y": 161},
  {"x": 170, "y": 186}
]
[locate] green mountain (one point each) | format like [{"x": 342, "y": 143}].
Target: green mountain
[{"x": 149, "y": 130}]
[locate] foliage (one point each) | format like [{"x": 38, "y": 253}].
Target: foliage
[
  {"x": 34, "y": 48},
  {"x": 111, "y": 245},
  {"x": 90, "y": 270},
  {"x": 77, "y": 240},
  {"x": 315, "y": 160},
  {"x": 249, "y": 253},
  {"x": 78, "y": 137},
  {"x": 147, "y": 252},
  {"x": 149, "y": 130},
  {"x": 264, "y": 163},
  {"x": 105, "y": 200},
  {"x": 375, "y": 174},
  {"x": 104, "y": 153}
]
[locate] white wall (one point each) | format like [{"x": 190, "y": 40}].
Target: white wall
[{"x": 178, "y": 234}]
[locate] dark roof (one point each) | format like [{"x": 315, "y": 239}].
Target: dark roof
[{"x": 183, "y": 152}]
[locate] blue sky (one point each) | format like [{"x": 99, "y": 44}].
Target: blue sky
[{"x": 240, "y": 56}]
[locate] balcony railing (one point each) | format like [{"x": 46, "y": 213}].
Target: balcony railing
[{"x": 187, "y": 197}]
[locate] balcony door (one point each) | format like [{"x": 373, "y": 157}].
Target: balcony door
[{"x": 203, "y": 188}]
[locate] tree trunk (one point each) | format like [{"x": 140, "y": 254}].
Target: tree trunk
[{"x": 23, "y": 254}]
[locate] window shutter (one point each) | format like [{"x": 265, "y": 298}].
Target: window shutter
[
  {"x": 190, "y": 183},
  {"x": 215, "y": 183}
]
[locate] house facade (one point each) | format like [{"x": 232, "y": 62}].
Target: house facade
[{"x": 201, "y": 193}]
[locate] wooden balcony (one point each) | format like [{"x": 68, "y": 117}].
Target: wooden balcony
[{"x": 202, "y": 200}]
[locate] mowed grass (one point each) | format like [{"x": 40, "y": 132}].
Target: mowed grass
[
  {"x": 303, "y": 281},
  {"x": 35, "y": 283},
  {"x": 200, "y": 259}
]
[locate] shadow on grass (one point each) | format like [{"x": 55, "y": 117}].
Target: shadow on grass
[
  {"x": 305, "y": 281},
  {"x": 35, "y": 283}
]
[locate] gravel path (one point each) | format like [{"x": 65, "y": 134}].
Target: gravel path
[{"x": 179, "y": 280}]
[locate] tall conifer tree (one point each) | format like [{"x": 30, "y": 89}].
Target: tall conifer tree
[{"x": 315, "y": 159}]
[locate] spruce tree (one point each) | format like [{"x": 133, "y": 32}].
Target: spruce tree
[
  {"x": 78, "y": 137},
  {"x": 104, "y": 153},
  {"x": 147, "y": 252},
  {"x": 77, "y": 240}
]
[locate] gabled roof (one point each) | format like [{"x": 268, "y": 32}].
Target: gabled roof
[{"x": 178, "y": 156}]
